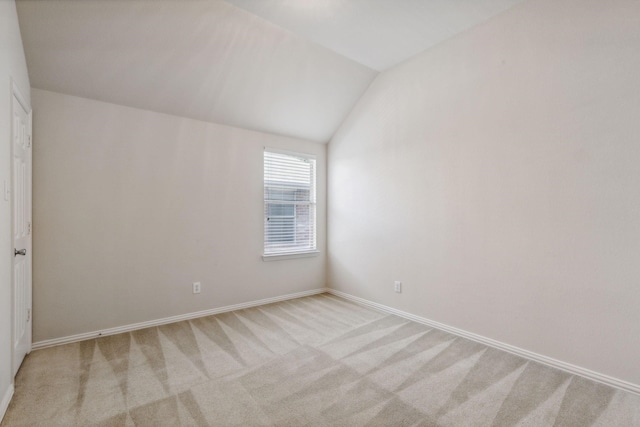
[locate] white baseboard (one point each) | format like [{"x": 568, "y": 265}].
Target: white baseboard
[
  {"x": 6, "y": 399},
  {"x": 558, "y": 364},
  {"x": 135, "y": 326},
  {"x": 554, "y": 363}
]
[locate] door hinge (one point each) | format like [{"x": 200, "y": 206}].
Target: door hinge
[
  {"x": 29, "y": 228},
  {"x": 29, "y": 142},
  {"x": 28, "y": 315}
]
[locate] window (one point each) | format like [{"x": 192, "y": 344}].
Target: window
[{"x": 289, "y": 203}]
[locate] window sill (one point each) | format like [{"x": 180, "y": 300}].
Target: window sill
[{"x": 290, "y": 255}]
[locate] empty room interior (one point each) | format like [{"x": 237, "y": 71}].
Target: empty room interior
[{"x": 320, "y": 213}]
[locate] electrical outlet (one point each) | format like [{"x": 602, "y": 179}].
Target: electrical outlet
[
  {"x": 196, "y": 287},
  {"x": 397, "y": 286}
]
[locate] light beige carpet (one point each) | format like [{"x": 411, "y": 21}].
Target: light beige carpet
[{"x": 315, "y": 361}]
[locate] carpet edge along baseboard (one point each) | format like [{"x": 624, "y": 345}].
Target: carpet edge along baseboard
[
  {"x": 172, "y": 319},
  {"x": 545, "y": 360}
]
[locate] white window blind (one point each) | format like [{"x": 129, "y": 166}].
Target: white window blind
[{"x": 289, "y": 203}]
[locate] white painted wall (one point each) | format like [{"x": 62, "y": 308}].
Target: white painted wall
[
  {"x": 497, "y": 175},
  {"x": 132, "y": 206},
  {"x": 12, "y": 65}
]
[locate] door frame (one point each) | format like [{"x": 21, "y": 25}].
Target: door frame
[{"x": 16, "y": 94}]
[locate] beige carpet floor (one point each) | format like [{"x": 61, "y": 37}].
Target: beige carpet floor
[{"x": 315, "y": 361}]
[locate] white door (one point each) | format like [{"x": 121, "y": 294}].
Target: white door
[{"x": 21, "y": 189}]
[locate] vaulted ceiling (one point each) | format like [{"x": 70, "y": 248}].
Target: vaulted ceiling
[
  {"x": 376, "y": 33},
  {"x": 290, "y": 67}
]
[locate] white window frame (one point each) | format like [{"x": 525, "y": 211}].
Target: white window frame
[{"x": 312, "y": 203}]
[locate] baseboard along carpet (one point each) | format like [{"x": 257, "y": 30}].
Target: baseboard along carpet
[{"x": 313, "y": 361}]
